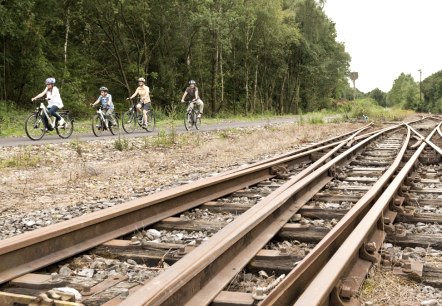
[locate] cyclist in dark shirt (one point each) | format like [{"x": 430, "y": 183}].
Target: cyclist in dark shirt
[{"x": 191, "y": 93}]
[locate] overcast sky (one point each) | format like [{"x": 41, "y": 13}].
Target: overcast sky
[{"x": 388, "y": 37}]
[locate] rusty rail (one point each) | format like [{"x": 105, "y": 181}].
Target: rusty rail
[
  {"x": 326, "y": 286},
  {"x": 200, "y": 275},
  {"x": 33, "y": 250}
]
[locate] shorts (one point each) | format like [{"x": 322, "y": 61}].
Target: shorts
[{"x": 145, "y": 106}]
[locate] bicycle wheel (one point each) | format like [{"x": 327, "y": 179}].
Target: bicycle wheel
[
  {"x": 114, "y": 129},
  {"x": 197, "y": 120},
  {"x": 129, "y": 121},
  {"x": 66, "y": 130},
  {"x": 97, "y": 125},
  {"x": 150, "y": 121},
  {"x": 188, "y": 120},
  {"x": 34, "y": 127}
]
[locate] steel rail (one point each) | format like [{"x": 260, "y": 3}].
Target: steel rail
[
  {"x": 439, "y": 130},
  {"x": 200, "y": 275},
  {"x": 428, "y": 141},
  {"x": 326, "y": 144},
  {"x": 319, "y": 290},
  {"x": 33, "y": 250},
  {"x": 296, "y": 281}
]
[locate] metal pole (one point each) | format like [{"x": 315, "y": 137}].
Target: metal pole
[{"x": 420, "y": 86}]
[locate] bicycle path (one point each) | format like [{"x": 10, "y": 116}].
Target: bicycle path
[{"x": 53, "y": 138}]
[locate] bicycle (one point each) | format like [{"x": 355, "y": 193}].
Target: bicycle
[
  {"x": 101, "y": 123},
  {"x": 133, "y": 119},
  {"x": 36, "y": 126},
  {"x": 192, "y": 118}
]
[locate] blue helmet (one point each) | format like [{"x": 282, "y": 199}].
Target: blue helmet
[{"x": 50, "y": 81}]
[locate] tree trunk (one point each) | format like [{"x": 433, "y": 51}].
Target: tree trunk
[
  {"x": 214, "y": 69},
  {"x": 281, "y": 95},
  {"x": 66, "y": 40},
  {"x": 255, "y": 86},
  {"x": 221, "y": 71},
  {"x": 4, "y": 96}
]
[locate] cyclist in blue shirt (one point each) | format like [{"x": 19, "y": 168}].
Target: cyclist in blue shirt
[{"x": 106, "y": 103}]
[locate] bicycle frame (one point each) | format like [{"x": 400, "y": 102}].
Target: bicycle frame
[
  {"x": 103, "y": 119},
  {"x": 43, "y": 108}
]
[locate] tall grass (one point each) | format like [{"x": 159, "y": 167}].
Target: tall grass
[
  {"x": 12, "y": 120},
  {"x": 368, "y": 107},
  {"x": 23, "y": 159}
]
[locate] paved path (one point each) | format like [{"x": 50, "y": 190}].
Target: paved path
[{"x": 53, "y": 137}]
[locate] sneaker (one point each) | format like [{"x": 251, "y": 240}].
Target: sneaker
[
  {"x": 61, "y": 123},
  {"x": 199, "y": 116}
]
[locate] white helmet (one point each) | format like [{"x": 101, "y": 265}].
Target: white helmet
[
  {"x": 192, "y": 82},
  {"x": 50, "y": 81},
  {"x": 141, "y": 80}
]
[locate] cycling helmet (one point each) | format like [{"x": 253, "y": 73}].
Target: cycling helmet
[
  {"x": 50, "y": 81},
  {"x": 142, "y": 80},
  {"x": 102, "y": 88},
  {"x": 192, "y": 82}
]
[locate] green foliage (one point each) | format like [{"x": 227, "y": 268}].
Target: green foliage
[
  {"x": 11, "y": 119},
  {"x": 432, "y": 93},
  {"x": 248, "y": 57},
  {"x": 379, "y": 96},
  {"x": 121, "y": 144},
  {"x": 165, "y": 139},
  {"x": 404, "y": 93},
  {"x": 369, "y": 107},
  {"x": 23, "y": 159}
]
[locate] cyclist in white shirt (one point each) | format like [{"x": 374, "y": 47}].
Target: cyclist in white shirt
[{"x": 54, "y": 100}]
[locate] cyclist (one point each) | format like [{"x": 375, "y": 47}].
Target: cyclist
[
  {"x": 106, "y": 103},
  {"x": 145, "y": 102},
  {"x": 192, "y": 94},
  {"x": 54, "y": 103}
]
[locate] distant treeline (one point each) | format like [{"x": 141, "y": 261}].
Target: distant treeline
[
  {"x": 425, "y": 96},
  {"x": 247, "y": 56}
]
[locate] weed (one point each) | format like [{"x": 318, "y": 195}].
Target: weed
[
  {"x": 23, "y": 159},
  {"x": 165, "y": 139},
  {"x": 121, "y": 144},
  {"x": 78, "y": 145},
  {"x": 223, "y": 134}
]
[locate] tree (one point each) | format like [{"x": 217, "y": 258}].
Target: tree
[
  {"x": 404, "y": 93},
  {"x": 379, "y": 96}
]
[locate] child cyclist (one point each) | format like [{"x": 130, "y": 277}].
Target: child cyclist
[{"x": 106, "y": 104}]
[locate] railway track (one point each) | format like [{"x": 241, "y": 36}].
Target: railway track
[
  {"x": 33, "y": 250},
  {"x": 341, "y": 169}
]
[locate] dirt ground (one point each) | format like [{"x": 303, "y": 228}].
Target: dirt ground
[{"x": 53, "y": 175}]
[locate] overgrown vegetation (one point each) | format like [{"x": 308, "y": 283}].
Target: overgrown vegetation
[
  {"x": 25, "y": 158},
  {"x": 121, "y": 144},
  {"x": 248, "y": 57},
  {"x": 165, "y": 138},
  {"x": 368, "y": 107}
]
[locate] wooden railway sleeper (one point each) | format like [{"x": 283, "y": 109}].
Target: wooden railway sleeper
[
  {"x": 409, "y": 268},
  {"x": 280, "y": 171}
]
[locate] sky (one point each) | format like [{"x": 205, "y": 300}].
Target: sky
[{"x": 387, "y": 37}]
